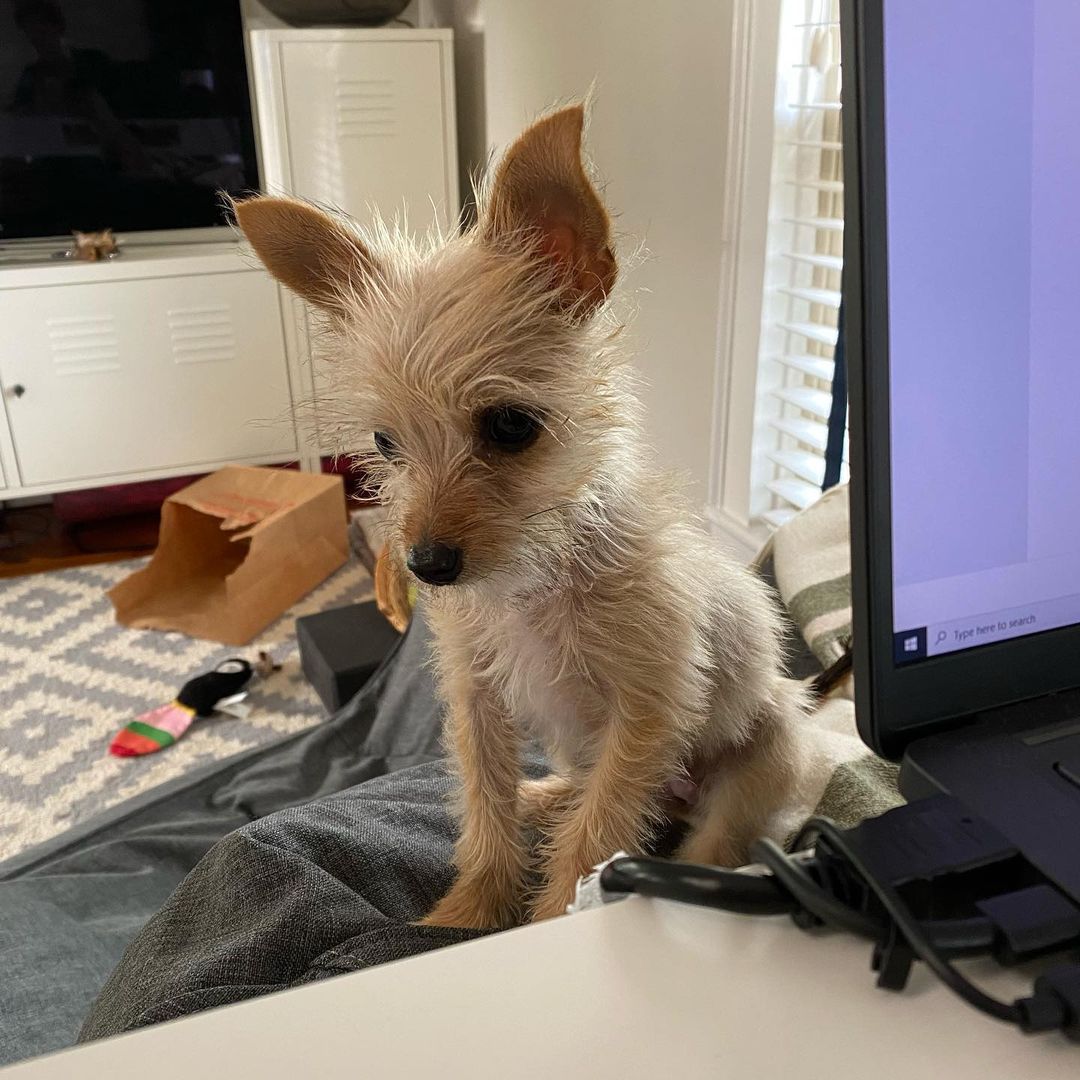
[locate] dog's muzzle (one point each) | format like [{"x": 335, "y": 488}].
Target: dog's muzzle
[{"x": 436, "y": 563}]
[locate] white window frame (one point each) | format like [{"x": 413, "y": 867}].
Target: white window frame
[
  {"x": 744, "y": 444},
  {"x": 754, "y": 53}
]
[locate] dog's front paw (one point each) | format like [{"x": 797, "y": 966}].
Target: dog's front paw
[
  {"x": 470, "y": 904},
  {"x": 553, "y": 900}
]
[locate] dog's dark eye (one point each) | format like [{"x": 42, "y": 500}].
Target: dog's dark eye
[
  {"x": 386, "y": 446},
  {"x": 509, "y": 427}
]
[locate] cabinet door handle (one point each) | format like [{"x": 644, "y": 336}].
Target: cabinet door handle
[{"x": 16, "y": 391}]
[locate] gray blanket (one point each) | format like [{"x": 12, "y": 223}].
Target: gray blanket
[
  {"x": 69, "y": 908},
  {"x": 304, "y": 894}
]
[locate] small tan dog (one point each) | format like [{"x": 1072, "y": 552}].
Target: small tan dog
[{"x": 569, "y": 597}]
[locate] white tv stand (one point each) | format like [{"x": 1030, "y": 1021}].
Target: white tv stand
[
  {"x": 162, "y": 361},
  {"x": 180, "y": 358}
]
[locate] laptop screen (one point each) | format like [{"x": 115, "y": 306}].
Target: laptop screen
[{"x": 983, "y": 216}]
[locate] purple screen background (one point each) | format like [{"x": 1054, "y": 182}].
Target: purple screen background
[{"x": 983, "y": 166}]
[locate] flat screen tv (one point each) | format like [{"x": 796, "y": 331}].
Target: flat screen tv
[{"x": 132, "y": 115}]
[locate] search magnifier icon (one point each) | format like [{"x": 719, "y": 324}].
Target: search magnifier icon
[{"x": 941, "y": 636}]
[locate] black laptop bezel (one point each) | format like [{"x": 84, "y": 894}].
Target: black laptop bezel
[{"x": 896, "y": 703}]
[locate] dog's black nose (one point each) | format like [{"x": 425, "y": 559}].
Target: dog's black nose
[{"x": 436, "y": 563}]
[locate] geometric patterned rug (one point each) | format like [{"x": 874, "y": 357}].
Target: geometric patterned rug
[{"x": 71, "y": 677}]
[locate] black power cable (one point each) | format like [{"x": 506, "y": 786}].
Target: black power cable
[
  {"x": 689, "y": 883},
  {"x": 810, "y": 896},
  {"x": 789, "y": 889}
]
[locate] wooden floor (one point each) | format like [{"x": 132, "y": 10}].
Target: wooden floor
[{"x": 33, "y": 541}]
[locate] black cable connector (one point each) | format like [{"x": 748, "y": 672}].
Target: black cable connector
[
  {"x": 908, "y": 927},
  {"x": 1055, "y": 1003}
]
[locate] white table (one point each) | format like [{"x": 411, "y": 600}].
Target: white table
[{"x": 637, "y": 989}]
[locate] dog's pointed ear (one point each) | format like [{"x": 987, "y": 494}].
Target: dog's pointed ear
[
  {"x": 541, "y": 187},
  {"x": 315, "y": 255}
]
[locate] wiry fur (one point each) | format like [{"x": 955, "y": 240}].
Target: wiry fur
[{"x": 590, "y": 612}]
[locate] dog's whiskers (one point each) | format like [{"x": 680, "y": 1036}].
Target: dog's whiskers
[{"x": 549, "y": 510}]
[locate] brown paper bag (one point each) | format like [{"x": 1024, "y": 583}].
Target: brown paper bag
[{"x": 237, "y": 549}]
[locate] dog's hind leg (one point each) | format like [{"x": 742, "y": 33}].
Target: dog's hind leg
[
  {"x": 543, "y": 801},
  {"x": 749, "y": 785},
  {"x": 614, "y": 809}
]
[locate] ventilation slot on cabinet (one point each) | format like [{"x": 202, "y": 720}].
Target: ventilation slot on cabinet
[
  {"x": 83, "y": 344},
  {"x": 365, "y": 108},
  {"x": 202, "y": 335}
]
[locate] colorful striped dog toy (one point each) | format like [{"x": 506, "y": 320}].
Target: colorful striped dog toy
[{"x": 199, "y": 697}]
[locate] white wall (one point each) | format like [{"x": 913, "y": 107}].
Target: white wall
[{"x": 657, "y": 137}]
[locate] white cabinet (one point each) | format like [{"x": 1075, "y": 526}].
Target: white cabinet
[
  {"x": 366, "y": 126},
  {"x": 133, "y": 370},
  {"x": 360, "y": 121}
]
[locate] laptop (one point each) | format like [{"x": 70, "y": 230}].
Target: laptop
[{"x": 962, "y": 313}]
